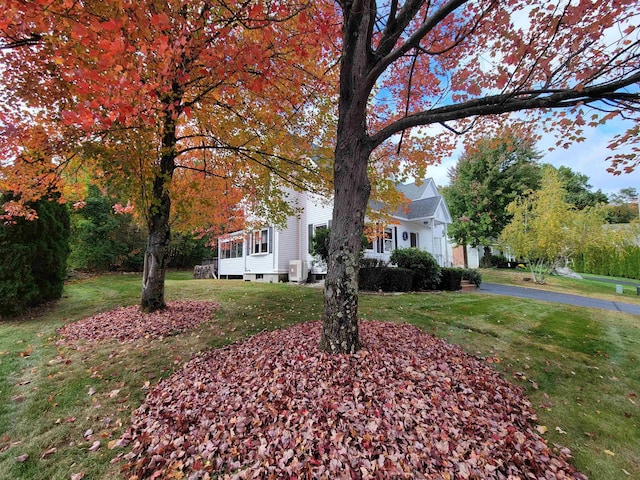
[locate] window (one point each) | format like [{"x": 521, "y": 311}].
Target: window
[
  {"x": 232, "y": 248},
  {"x": 313, "y": 231},
  {"x": 387, "y": 238},
  {"x": 383, "y": 241},
  {"x": 413, "y": 238},
  {"x": 261, "y": 241}
]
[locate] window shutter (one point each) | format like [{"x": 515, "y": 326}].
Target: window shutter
[
  {"x": 270, "y": 239},
  {"x": 310, "y": 236},
  {"x": 395, "y": 237}
]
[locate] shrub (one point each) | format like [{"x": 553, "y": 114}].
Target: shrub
[
  {"x": 34, "y": 257},
  {"x": 450, "y": 279},
  {"x": 186, "y": 250},
  {"x": 372, "y": 262},
  {"x": 320, "y": 244},
  {"x": 499, "y": 261},
  {"x": 387, "y": 279},
  {"x": 425, "y": 268},
  {"x": 102, "y": 240},
  {"x": 472, "y": 275}
]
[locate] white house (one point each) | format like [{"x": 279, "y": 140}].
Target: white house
[{"x": 271, "y": 255}]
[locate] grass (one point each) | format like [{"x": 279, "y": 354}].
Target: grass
[
  {"x": 580, "y": 367},
  {"x": 590, "y": 285}
]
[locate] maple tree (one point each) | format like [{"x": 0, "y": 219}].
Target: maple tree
[
  {"x": 459, "y": 64},
  {"x": 134, "y": 92}
]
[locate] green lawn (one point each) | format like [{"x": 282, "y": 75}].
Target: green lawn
[{"x": 580, "y": 367}]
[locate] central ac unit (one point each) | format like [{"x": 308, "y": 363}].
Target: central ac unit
[{"x": 297, "y": 271}]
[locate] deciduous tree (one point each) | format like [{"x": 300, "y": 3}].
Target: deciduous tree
[
  {"x": 223, "y": 89},
  {"x": 579, "y": 191},
  {"x": 451, "y": 63},
  {"x": 487, "y": 177},
  {"x": 546, "y": 230}
]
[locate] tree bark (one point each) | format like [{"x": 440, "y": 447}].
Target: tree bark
[
  {"x": 351, "y": 183},
  {"x": 351, "y": 195},
  {"x": 465, "y": 255},
  {"x": 486, "y": 257},
  {"x": 155, "y": 257}
]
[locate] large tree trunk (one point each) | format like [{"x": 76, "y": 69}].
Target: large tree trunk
[
  {"x": 155, "y": 257},
  {"x": 351, "y": 195},
  {"x": 351, "y": 185}
]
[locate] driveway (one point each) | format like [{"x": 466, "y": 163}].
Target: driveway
[{"x": 577, "y": 300}]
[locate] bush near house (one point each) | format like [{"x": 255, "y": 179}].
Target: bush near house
[
  {"x": 34, "y": 257},
  {"x": 386, "y": 279},
  {"x": 451, "y": 278},
  {"x": 425, "y": 268},
  {"x": 472, "y": 275}
]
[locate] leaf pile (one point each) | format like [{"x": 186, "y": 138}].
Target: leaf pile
[
  {"x": 129, "y": 323},
  {"x": 406, "y": 406}
]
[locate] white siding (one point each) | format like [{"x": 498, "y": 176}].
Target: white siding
[
  {"x": 232, "y": 266},
  {"x": 288, "y": 245},
  {"x": 431, "y": 190},
  {"x": 318, "y": 211}
]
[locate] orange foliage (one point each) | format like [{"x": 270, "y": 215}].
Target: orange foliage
[{"x": 123, "y": 85}]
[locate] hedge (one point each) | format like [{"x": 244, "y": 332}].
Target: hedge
[
  {"x": 609, "y": 262},
  {"x": 451, "y": 278},
  {"x": 387, "y": 279},
  {"x": 425, "y": 268}
]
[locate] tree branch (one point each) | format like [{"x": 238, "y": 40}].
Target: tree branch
[{"x": 516, "y": 101}]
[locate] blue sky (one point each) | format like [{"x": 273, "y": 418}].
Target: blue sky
[{"x": 588, "y": 158}]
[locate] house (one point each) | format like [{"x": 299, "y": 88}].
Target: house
[{"x": 271, "y": 255}]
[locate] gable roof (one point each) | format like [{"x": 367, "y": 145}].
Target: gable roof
[
  {"x": 413, "y": 191},
  {"x": 425, "y": 202}
]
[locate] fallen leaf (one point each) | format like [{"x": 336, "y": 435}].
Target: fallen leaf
[
  {"x": 367, "y": 407},
  {"x": 22, "y": 458},
  {"x": 541, "y": 429},
  {"x": 77, "y": 476},
  {"x": 94, "y": 446},
  {"x": 48, "y": 453},
  {"x": 610, "y": 453},
  {"x": 560, "y": 431},
  {"x": 91, "y": 391}
]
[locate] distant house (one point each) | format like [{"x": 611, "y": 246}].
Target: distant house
[{"x": 269, "y": 254}]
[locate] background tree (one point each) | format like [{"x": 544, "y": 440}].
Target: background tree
[
  {"x": 546, "y": 231},
  {"x": 136, "y": 91},
  {"x": 487, "y": 177},
  {"x": 103, "y": 240},
  {"x": 453, "y": 63},
  {"x": 34, "y": 256},
  {"x": 578, "y": 190},
  {"x": 623, "y": 206}
]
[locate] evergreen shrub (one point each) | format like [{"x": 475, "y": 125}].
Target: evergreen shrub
[
  {"x": 387, "y": 279},
  {"x": 450, "y": 279},
  {"x": 425, "y": 268},
  {"x": 34, "y": 257}
]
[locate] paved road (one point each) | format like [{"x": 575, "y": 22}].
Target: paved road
[{"x": 566, "y": 298}]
